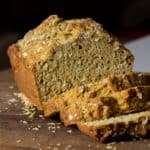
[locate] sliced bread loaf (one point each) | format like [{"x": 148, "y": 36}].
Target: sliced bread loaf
[
  {"x": 103, "y": 88},
  {"x": 83, "y": 109},
  {"x": 61, "y": 54},
  {"x": 131, "y": 125}
]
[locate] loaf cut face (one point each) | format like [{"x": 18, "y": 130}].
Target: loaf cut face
[
  {"x": 60, "y": 54},
  {"x": 85, "y": 93},
  {"x": 116, "y": 128}
]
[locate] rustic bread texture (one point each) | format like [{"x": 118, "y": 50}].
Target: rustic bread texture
[
  {"x": 132, "y": 125},
  {"x": 61, "y": 54},
  {"x": 103, "y": 88},
  {"x": 87, "y": 109}
]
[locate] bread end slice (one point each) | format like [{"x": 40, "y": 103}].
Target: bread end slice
[{"x": 131, "y": 125}]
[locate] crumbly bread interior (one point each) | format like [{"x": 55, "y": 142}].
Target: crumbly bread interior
[{"x": 74, "y": 65}]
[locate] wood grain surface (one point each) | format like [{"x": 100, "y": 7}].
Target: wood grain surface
[{"x": 18, "y": 132}]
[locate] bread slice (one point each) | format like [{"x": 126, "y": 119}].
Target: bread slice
[
  {"x": 102, "y": 88},
  {"x": 116, "y": 128},
  {"x": 134, "y": 99},
  {"x": 60, "y": 54}
]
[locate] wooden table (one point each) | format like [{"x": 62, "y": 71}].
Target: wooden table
[{"x": 18, "y": 132}]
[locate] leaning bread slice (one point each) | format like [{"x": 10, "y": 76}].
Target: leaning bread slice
[
  {"x": 131, "y": 125},
  {"x": 103, "y": 88},
  {"x": 83, "y": 109}
]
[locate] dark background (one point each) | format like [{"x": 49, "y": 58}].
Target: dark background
[{"x": 128, "y": 19}]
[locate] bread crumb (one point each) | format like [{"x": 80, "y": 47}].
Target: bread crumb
[
  {"x": 51, "y": 123},
  {"x": 42, "y": 117},
  {"x": 18, "y": 141},
  {"x": 23, "y": 121},
  {"x": 58, "y": 127},
  {"x": 53, "y": 131},
  {"x": 58, "y": 123},
  {"x": 53, "y": 127},
  {"x": 109, "y": 146},
  {"x": 39, "y": 126},
  {"x": 68, "y": 147},
  {"x": 12, "y": 100},
  {"x": 35, "y": 129},
  {"x": 58, "y": 144},
  {"x": 11, "y": 87},
  {"x": 69, "y": 131}
]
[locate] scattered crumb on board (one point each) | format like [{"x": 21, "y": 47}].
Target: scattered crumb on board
[{"x": 29, "y": 108}]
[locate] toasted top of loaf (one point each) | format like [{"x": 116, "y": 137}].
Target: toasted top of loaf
[
  {"x": 131, "y": 125},
  {"x": 103, "y": 88},
  {"x": 53, "y": 32}
]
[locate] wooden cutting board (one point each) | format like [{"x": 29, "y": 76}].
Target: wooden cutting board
[{"x": 18, "y": 132}]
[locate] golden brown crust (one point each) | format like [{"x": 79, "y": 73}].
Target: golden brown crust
[
  {"x": 24, "y": 76},
  {"x": 52, "y": 107},
  {"x": 133, "y": 125}
]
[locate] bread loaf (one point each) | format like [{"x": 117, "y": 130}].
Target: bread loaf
[
  {"x": 61, "y": 54},
  {"x": 117, "y": 128}
]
